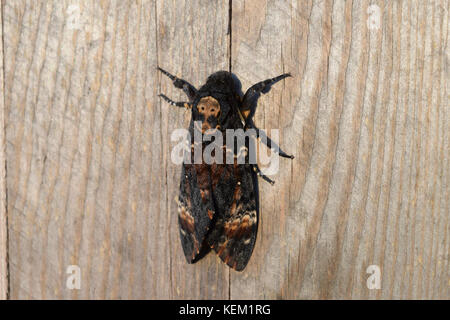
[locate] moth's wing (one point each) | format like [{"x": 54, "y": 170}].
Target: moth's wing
[
  {"x": 234, "y": 233},
  {"x": 195, "y": 208}
]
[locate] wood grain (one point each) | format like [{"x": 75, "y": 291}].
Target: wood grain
[
  {"x": 89, "y": 176},
  {"x": 192, "y": 43},
  {"x": 366, "y": 116},
  {"x": 3, "y": 221}
]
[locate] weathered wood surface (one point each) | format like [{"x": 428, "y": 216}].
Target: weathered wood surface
[
  {"x": 89, "y": 176},
  {"x": 367, "y": 114},
  {"x": 3, "y": 223}
]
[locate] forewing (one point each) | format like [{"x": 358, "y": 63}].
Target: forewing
[
  {"x": 195, "y": 208},
  {"x": 234, "y": 233}
]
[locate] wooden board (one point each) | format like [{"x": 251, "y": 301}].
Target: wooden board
[
  {"x": 192, "y": 43},
  {"x": 3, "y": 222},
  {"x": 367, "y": 119},
  {"x": 90, "y": 181}
]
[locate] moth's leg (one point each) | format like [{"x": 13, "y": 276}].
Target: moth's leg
[
  {"x": 188, "y": 88},
  {"x": 264, "y": 86},
  {"x": 173, "y": 103},
  {"x": 259, "y": 173},
  {"x": 255, "y": 90},
  {"x": 267, "y": 141}
]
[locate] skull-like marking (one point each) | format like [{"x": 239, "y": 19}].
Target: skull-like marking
[{"x": 208, "y": 107}]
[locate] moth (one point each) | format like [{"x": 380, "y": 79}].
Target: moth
[{"x": 217, "y": 203}]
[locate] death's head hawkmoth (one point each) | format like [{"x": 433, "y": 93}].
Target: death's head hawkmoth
[{"x": 217, "y": 204}]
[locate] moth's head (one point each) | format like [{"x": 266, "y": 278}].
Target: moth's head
[{"x": 210, "y": 112}]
